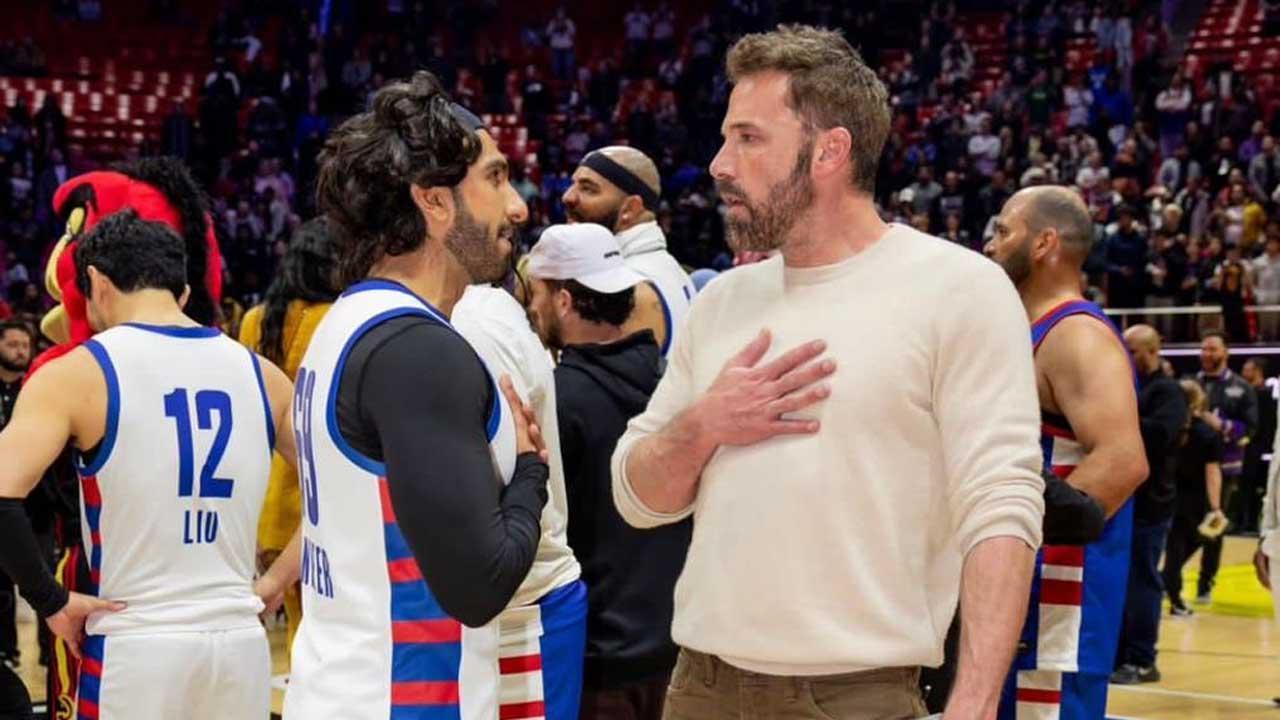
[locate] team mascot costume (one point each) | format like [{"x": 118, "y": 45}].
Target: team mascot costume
[{"x": 158, "y": 189}]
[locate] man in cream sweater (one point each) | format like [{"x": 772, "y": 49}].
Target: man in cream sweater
[{"x": 852, "y": 424}]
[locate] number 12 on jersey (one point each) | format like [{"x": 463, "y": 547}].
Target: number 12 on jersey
[{"x": 201, "y": 527}]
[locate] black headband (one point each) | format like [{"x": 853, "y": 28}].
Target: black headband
[
  {"x": 466, "y": 117},
  {"x": 626, "y": 180}
]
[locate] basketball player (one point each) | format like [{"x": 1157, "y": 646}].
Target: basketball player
[
  {"x": 1090, "y": 436},
  {"x": 618, "y": 187},
  {"x": 174, "y": 425},
  {"x": 422, "y": 487}
]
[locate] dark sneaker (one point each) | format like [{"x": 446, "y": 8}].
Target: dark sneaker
[
  {"x": 1134, "y": 675},
  {"x": 1125, "y": 675},
  {"x": 1180, "y": 611},
  {"x": 1204, "y": 598}
]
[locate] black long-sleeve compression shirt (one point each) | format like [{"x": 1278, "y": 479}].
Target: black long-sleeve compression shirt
[{"x": 414, "y": 395}]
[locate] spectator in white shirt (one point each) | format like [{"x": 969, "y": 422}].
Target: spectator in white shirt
[
  {"x": 1173, "y": 107},
  {"x": 562, "y": 37},
  {"x": 1078, "y": 100},
  {"x": 1094, "y": 178},
  {"x": 639, "y": 25},
  {"x": 984, "y": 148},
  {"x": 1266, "y": 282}
]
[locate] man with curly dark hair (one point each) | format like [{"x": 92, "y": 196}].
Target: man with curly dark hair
[
  {"x": 422, "y": 484},
  {"x": 173, "y": 425}
]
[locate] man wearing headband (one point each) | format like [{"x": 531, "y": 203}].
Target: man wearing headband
[
  {"x": 618, "y": 187},
  {"x": 423, "y": 482}
]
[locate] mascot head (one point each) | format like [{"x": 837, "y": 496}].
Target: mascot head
[{"x": 158, "y": 189}]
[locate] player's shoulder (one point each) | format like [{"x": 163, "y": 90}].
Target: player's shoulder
[
  {"x": 80, "y": 370},
  {"x": 1080, "y": 340},
  {"x": 489, "y": 310}
]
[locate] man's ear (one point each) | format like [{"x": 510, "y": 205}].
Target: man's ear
[
  {"x": 831, "y": 151},
  {"x": 562, "y": 301},
  {"x": 435, "y": 203},
  {"x": 632, "y": 208},
  {"x": 185, "y": 296},
  {"x": 97, "y": 283},
  {"x": 1045, "y": 243}
]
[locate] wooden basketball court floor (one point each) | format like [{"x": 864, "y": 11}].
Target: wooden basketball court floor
[{"x": 1215, "y": 666}]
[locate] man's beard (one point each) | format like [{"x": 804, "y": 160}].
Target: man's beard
[
  {"x": 11, "y": 366},
  {"x": 1018, "y": 265},
  {"x": 767, "y": 226},
  {"x": 552, "y": 336},
  {"x": 608, "y": 218},
  {"x": 476, "y": 249}
]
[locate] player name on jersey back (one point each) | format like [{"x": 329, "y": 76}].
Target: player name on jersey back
[{"x": 172, "y": 494}]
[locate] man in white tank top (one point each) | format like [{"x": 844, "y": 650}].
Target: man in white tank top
[
  {"x": 542, "y": 632},
  {"x": 619, "y": 187},
  {"x": 174, "y": 426},
  {"x": 423, "y": 484}
]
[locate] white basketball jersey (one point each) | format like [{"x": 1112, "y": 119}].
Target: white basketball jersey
[
  {"x": 497, "y": 327},
  {"x": 374, "y": 643},
  {"x": 171, "y": 496},
  {"x": 644, "y": 250}
]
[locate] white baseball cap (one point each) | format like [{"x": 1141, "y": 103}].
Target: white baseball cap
[{"x": 585, "y": 252}]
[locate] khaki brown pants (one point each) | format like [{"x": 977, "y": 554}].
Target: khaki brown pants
[{"x": 704, "y": 687}]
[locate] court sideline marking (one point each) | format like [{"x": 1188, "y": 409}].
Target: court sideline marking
[{"x": 1195, "y": 695}]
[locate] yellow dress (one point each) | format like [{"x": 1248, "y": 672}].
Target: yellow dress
[{"x": 282, "y": 508}]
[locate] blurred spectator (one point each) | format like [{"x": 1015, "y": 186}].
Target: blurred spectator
[
  {"x": 1174, "y": 109},
  {"x": 984, "y": 149},
  {"x": 664, "y": 30},
  {"x": 1078, "y": 101},
  {"x": 1253, "y": 481},
  {"x": 561, "y": 36},
  {"x": 19, "y": 186},
  {"x": 50, "y": 127},
  {"x": 1197, "y": 206},
  {"x": 924, "y": 191},
  {"x": 179, "y": 132},
  {"x": 1176, "y": 169},
  {"x": 1126, "y": 256},
  {"x": 638, "y": 28},
  {"x": 1167, "y": 268},
  {"x": 1266, "y": 282},
  {"x": 953, "y": 199},
  {"x": 1264, "y": 168},
  {"x": 1041, "y": 100},
  {"x": 954, "y": 231}
]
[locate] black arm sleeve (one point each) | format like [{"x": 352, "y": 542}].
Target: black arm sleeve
[
  {"x": 1071, "y": 517},
  {"x": 422, "y": 401},
  {"x": 1165, "y": 416},
  {"x": 22, "y": 560}
]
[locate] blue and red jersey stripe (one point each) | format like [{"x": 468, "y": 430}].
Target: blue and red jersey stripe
[
  {"x": 426, "y": 643},
  {"x": 93, "y": 514},
  {"x": 92, "y": 654}
]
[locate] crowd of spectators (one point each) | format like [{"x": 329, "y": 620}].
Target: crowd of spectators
[{"x": 1179, "y": 169}]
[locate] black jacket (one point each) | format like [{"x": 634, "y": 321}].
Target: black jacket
[
  {"x": 1162, "y": 410},
  {"x": 630, "y": 574}
]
